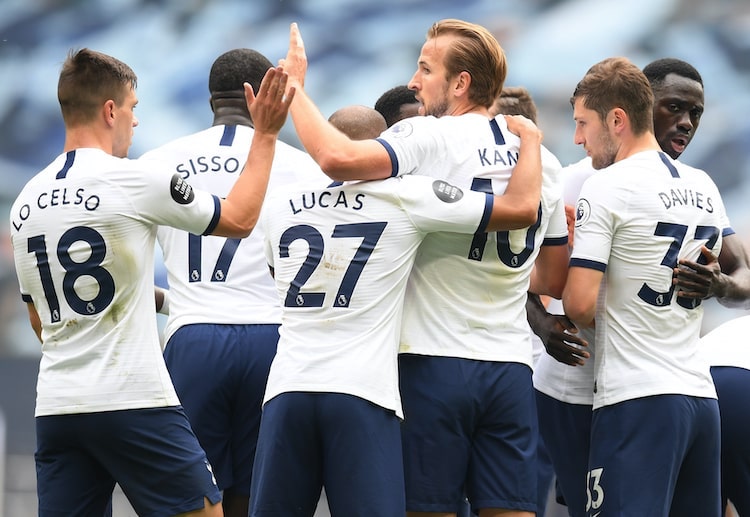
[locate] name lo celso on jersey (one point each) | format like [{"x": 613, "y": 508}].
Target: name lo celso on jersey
[{"x": 57, "y": 197}]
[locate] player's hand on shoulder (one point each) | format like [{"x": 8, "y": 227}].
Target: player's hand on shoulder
[
  {"x": 269, "y": 107},
  {"x": 523, "y": 127}
]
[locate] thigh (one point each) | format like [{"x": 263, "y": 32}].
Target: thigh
[
  {"x": 70, "y": 481},
  {"x": 503, "y": 467},
  {"x": 363, "y": 470},
  {"x": 698, "y": 487},
  {"x": 220, "y": 374},
  {"x": 636, "y": 455},
  {"x": 566, "y": 429},
  {"x": 287, "y": 473},
  {"x": 732, "y": 386},
  {"x": 156, "y": 459},
  {"x": 436, "y": 432},
  {"x": 152, "y": 454}
]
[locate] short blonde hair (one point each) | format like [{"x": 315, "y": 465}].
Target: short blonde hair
[{"x": 477, "y": 52}]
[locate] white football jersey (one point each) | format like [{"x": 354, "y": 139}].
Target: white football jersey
[
  {"x": 467, "y": 294},
  {"x": 83, "y": 234},
  {"x": 726, "y": 345},
  {"x": 341, "y": 258},
  {"x": 217, "y": 279},
  {"x": 570, "y": 384},
  {"x": 634, "y": 221}
]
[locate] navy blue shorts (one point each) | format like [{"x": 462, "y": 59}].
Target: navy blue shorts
[
  {"x": 733, "y": 386},
  {"x": 152, "y": 454},
  {"x": 220, "y": 374},
  {"x": 654, "y": 455},
  {"x": 566, "y": 430},
  {"x": 345, "y": 443},
  {"x": 471, "y": 429}
]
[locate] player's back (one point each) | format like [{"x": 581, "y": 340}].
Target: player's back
[
  {"x": 658, "y": 211},
  {"x": 466, "y": 295},
  {"x": 83, "y": 237},
  {"x": 341, "y": 259},
  {"x": 216, "y": 279}
]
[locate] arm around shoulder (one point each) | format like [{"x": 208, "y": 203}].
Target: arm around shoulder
[{"x": 518, "y": 207}]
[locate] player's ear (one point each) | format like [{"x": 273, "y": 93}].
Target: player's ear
[
  {"x": 108, "y": 112},
  {"x": 618, "y": 118},
  {"x": 462, "y": 83}
]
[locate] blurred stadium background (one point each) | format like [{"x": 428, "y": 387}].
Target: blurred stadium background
[{"x": 357, "y": 50}]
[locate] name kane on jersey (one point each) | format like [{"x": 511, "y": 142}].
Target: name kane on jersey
[{"x": 510, "y": 158}]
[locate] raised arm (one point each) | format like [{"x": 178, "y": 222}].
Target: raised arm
[{"x": 339, "y": 157}]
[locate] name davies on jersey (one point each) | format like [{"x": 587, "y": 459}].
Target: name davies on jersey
[
  {"x": 327, "y": 199},
  {"x": 203, "y": 164},
  {"x": 55, "y": 198},
  {"x": 686, "y": 197}
]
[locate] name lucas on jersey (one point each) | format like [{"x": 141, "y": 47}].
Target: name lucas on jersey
[
  {"x": 57, "y": 197},
  {"x": 327, "y": 199},
  {"x": 686, "y": 197}
]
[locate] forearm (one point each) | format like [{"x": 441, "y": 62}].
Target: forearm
[
  {"x": 536, "y": 314},
  {"x": 733, "y": 291},
  {"x": 523, "y": 193},
  {"x": 241, "y": 208},
  {"x": 339, "y": 157},
  {"x": 733, "y": 286}
]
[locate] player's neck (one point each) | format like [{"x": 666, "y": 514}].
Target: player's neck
[
  {"x": 466, "y": 107},
  {"x": 80, "y": 138},
  {"x": 637, "y": 144},
  {"x": 232, "y": 119}
]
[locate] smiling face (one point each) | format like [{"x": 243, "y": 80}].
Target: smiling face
[
  {"x": 594, "y": 135},
  {"x": 678, "y": 107},
  {"x": 430, "y": 82}
]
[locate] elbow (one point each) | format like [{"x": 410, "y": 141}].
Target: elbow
[
  {"x": 555, "y": 289},
  {"x": 333, "y": 164},
  {"x": 524, "y": 217},
  {"x": 235, "y": 229},
  {"x": 244, "y": 230},
  {"x": 531, "y": 214},
  {"x": 577, "y": 313}
]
